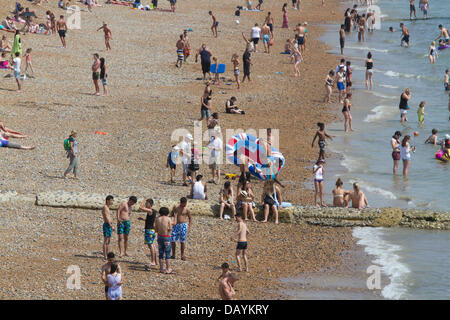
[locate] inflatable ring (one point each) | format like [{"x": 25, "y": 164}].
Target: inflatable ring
[
  {"x": 259, "y": 164},
  {"x": 441, "y": 156}
]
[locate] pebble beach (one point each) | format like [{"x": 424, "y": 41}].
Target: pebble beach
[{"x": 149, "y": 98}]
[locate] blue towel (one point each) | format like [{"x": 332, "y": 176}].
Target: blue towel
[{"x": 220, "y": 69}]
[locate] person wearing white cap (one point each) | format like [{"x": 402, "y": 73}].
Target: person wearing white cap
[
  {"x": 185, "y": 152},
  {"x": 172, "y": 161},
  {"x": 215, "y": 146}
]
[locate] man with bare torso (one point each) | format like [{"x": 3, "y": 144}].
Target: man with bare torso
[
  {"x": 265, "y": 32},
  {"x": 301, "y": 31},
  {"x": 163, "y": 227},
  {"x": 241, "y": 247},
  {"x": 181, "y": 214},
  {"x": 123, "y": 224},
  {"x": 405, "y": 35},
  {"x": 61, "y": 27},
  {"x": 108, "y": 35},
  {"x": 362, "y": 28},
  {"x": 269, "y": 22},
  {"x": 180, "y": 51},
  {"x": 107, "y": 225},
  {"x": 226, "y": 289},
  {"x": 96, "y": 73},
  {"x": 444, "y": 34}
]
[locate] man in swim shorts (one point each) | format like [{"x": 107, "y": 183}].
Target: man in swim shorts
[
  {"x": 444, "y": 34},
  {"x": 342, "y": 38},
  {"x": 181, "y": 214},
  {"x": 96, "y": 73},
  {"x": 163, "y": 226},
  {"x": 215, "y": 24},
  {"x": 265, "y": 31},
  {"x": 180, "y": 51},
  {"x": 405, "y": 35},
  {"x": 123, "y": 224},
  {"x": 187, "y": 46},
  {"x": 412, "y": 9},
  {"x": 107, "y": 225},
  {"x": 61, "y": 27},
  {"x": 269, "y": 22}
]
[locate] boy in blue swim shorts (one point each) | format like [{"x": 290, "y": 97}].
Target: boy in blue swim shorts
[
  {"x": 107, "y": 225},
  {"x": 180, "y": 231},
  {"x": 149, "y": 230},
  {"x": 123, "y": 224}
]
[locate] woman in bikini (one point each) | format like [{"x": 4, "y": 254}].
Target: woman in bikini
[
  {"x": 395, "y": 144},
  {"x": 340, "y": 196},
  {"x": 329, "y": 83},
  {"x": 245, "y": 199},
  {"x": 235, "y": 61}
]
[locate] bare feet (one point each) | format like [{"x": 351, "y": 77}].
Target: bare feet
[{"x": 169, "y": 271}]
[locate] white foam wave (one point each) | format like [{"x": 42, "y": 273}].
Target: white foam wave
[
  {"x": 383, "y": 96},
  {"x": 385, "y": 193},
  {"x": 369, "y": 49},
  {"x": 394, "y": 74},
  {"x": 387, "y": 257},
  {"x": 379, "y": 112},
  {"x": 388, "y": 86}
]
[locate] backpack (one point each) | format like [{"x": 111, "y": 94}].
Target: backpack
[{"x": 67, "y": 144}]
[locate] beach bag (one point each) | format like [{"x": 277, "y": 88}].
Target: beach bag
[
  {"x": 67, "y": 144},
  {"x": 271, "y": 42}
]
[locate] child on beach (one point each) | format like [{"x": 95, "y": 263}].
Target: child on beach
[
  {"x": 28, "y": 62},
  {"x": 405, "y": 153},
  {"x": 163, "y": 227},
  {"x": 149, "y": 231},
  {"x": 107, "y": 225},
  {"x": 318, "y": 172},
  {"x": 322, "y": 135},
  {"x": 103, "y": 76},
  {"x": 241, "y": 248},
  {"x": 172, "y": 161},
  {"x": 421, "y": 113},
  {"x": 432, "y": 53},
  {"x": 329, "y": 86},
  {"x": 216, "y": 74},
  {"x": 235, "y": 62},
  {"x": 340, "y": 77}
]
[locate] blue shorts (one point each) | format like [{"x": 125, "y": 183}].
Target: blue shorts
[
  {"x": 164, "y": 247},
  {"x": 123, "y": 227},
  {"x": 179, "y": 232},
  {"x": 107, "y": 230},
  {"x": 17, "y": 74},
  {"x": 340, "y": 86},
  {"x": 446, "y": 86},
  {"x": 205, "y": 113},
  {"x": 266, "y": 38},
  {"x": 149, "y": 236}
]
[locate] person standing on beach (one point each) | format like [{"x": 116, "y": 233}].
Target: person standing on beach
[
  {"x": 108, "y": 35},
  {"x": 369, "y": 71},
  {"x": 265, "y": 32},
  {"x": 348, "y": 77},
  {"x": 405, "y": 153},
  {"x": 163, "y": 227},
  {"x": 205, "y": 56},
  {"x": 185, "y": 152},
  {"x": 322, "y": 135},
  {"x": 255, "y": 36},
  {"x": 123, "y": 224},
  {"x": 241, "y": 248},
  {"x": 236, "y": 71},
  {"x": 61, "y": 27},
  {"x": 269, "y": 22},
  {"x": 181, "y": 229},
  {"x": 362, "y": 28},
  {"x": 172, "y": 5},
  {"x": 107, "y": 225},
  {"x": 329, "y": 83},
  {"x": 285, "y": 17},
  {"x": 340, "y": 80},
  {"x": 180, "y": 52},
  {"x": 106, "y": 269},
  {"x": 318, "y": 172},
  {"x": 342, "y": 38},
  {"x": 301, "y": 37},
  {"x": 95, "y": 73},
  {"x": 412, "y": 9},
  {"x": 405, "y": 35},
  {"x": 404, "y": 106},
  {"x": 72, "y": 153},
  {"x": 421, "y": 113},
  {"x": 247, "y": 59},
  {"x": 395, "y": 144},
  {"x": 346, "y": 112},
  {"x": 215, "y": 24},
  {"x": 16, "y": 67},
  {"x": 103, "y": 76},
  {"x": 149, "y": 230},
  {"x": 187, "y": 46}
]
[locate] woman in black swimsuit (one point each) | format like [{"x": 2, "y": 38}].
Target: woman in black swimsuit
[
  {"x": 369, "y": 71},
  {"x": 346, "y": 112}
]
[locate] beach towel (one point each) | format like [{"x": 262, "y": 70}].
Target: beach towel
[{"x": 220, "y": 69}]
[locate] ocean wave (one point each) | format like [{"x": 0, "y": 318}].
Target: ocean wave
[
  {"x": 394, "y": 74},
  {"x": 379, "y": 112},
  {"x": 388, "y": 86},
  {"x": 386, "y": 257},
  {"x": 383, "y": 96},
  {"x": 369, "y": 49}
]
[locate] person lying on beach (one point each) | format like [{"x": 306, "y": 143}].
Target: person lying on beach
[
  {"x": 230, "y": 107},
  {"x": 322, "y": 135},
  {"x": 340, "y": 196},
  {"x": 241, "y": 248},
  {"x": 5, "y": 143},
  {"x": 226, "y": 290},
  {"x": 357, "y": 197},
  {"x": 106, "y": 269},
  {"x": 433, "y": 139},
  {"x": 8, "y": 130},
  {"x": 122, "y": 3},
  {"x": 108, "y": 35}
]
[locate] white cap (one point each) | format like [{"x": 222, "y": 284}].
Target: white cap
[
  {"x": 176, "y": 148},
  {"x": 189, "y": 136}
]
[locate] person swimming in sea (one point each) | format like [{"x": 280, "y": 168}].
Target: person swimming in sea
[{"x": 433, "y": 139}]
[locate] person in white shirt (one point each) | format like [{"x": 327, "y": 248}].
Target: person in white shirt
[
  {"x": 215, "y": 146},
  {"x": 256, "y": 34},
  {"x": 198, "y": 189},
  {"x": 16, "y": 67},
  {"x": 185, "y": 152},
  {"x": 318, "y": 172}
]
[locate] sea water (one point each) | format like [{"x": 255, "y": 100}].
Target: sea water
[{"x": 417, "y": 262}]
